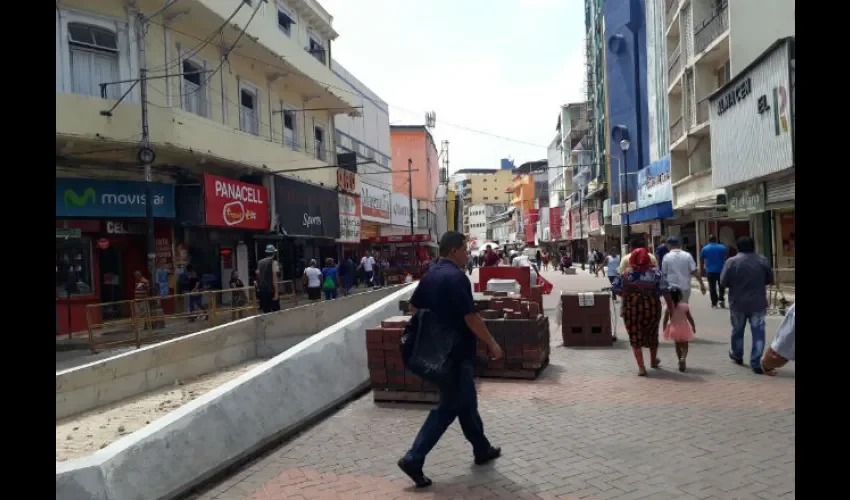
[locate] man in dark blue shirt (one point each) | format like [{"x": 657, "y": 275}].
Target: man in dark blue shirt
[
  {"x": 660, "y": 251},
  {"x": 713, "y": 256},
  {"x": 447, "y": 292}
]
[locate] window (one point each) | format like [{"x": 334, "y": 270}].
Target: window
[
  {"x": 290, "y": 137},
  {"x": 486, "y": 198},
  {"x": 194, "y": 91},
  {"x": 73, "y": 266},
  {"x": 284, "y": 20},
  {"x": 316, "y": 48},
  {"x": 319, "y": 142},
  {"x": 94, "y": 60},
  {"x": 249, "y": 116}
]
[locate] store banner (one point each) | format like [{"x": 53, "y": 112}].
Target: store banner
[
  {"x": 374, "y": 204},
  {"x": 368, "y": 230},
  {"x": 306, "y": 210},
  {"x": 231, "y": 203},
  {"x": 107, "y": 198},
  {"x": 349, "y": 219},
  {"x": 402, "y": 238},
  {"x": 654, "y": 185},
  {"x": 594, "y": 218},
  {"x": 401, "y": 210},
  {"x": 555, "y": 223}
]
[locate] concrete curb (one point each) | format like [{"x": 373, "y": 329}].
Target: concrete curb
[{"x": 224, "y": 426}]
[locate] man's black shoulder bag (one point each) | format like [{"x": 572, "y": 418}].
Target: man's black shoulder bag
[{"x": 427, "y": 345}]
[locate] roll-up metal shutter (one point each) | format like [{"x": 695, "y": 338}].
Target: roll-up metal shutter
[{"x": 780, "y": 190}]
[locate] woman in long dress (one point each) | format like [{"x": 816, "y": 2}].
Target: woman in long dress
[{"x": 642, "y": 287}]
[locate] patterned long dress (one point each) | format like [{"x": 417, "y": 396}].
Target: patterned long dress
[{"x": 641, "y": 292}]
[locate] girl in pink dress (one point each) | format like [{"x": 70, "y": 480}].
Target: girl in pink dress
[{"x": 679, "y": 326}]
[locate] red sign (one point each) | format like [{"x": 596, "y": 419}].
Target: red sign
[
  {"x": 401, "y": 238},
  {"x": 346, "y": 181},
  {"x": 230, "y": 203},
  {"x": 555, "y": 223},
  {"x": 103, "y": 243},
  {"x": 594, "y": 221},
  {"x": 530, "y": 217}
]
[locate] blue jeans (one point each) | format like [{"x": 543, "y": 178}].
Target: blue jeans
[
  {"x": 739, "y": 325},
  {"x": 458, "y": 400},
  {"x": 330, "y": 294}
]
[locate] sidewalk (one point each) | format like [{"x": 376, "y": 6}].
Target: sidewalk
[{"x": 588, "y": 428}]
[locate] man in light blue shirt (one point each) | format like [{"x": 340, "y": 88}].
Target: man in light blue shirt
[{"x": 713, "y": 256}]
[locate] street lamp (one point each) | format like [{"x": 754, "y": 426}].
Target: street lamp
[{"x": 627, "y": 229}]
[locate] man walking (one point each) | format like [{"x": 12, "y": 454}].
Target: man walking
[
  {"x": 678, "y": 267},
  {"x": 367, "y": 264},
  {"x": 491, "y": 259},
  {"x": 268, "y": 277},
  {"x": 746, "y": 275},
  {"x": 447, "y": 293},
  {"x": 661, "y": 251},
  {"x": 713, "y": 255}
]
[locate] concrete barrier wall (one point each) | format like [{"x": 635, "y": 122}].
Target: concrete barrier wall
[
  {"x": 128, "y": 374},
  {"x": 189, "y": 445}
]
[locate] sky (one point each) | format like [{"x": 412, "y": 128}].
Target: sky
[{"x": 501, "y": 67}]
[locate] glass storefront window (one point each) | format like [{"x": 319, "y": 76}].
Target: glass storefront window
[{"x": 74, "y": 267}]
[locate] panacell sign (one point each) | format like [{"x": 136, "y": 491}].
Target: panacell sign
[
  {"x": 305, "y": 209},
  {"x": 230, "y": 203}
]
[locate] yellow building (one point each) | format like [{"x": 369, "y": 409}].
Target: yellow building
[
  {"x": 482, "y": 186},
  {"x": 219, "y": 100}
]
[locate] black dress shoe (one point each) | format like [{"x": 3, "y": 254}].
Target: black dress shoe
[
  {"x": 492, "y": 454},
  {"x": 414, "y": 472},
  {"x": 736, "y": 360}
]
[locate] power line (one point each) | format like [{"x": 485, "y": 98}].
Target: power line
[{"x": 358, "y": 94}]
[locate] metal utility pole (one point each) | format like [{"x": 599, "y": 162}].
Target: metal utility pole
[
  {"x": 445, "y": 154},
  {"x": 146, "y": 154},
  {"x": 414, "y": 246}
]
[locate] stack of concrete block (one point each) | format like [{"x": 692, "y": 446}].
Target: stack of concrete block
[
  {"x": 522, "y": 331},
  {"x": 586, "y": 319},
  {"x": 390, "y": 380}
]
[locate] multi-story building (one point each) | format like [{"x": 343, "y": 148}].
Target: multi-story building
[
  {"x": 369, "y": 138},
  {"x": 530, "y": 186},
  {"x": 415, "y": 143},
  {"x": 482, "y": 186},
  {"x": 235, "y": 91},
  {"x": 708, "y": 41},
  {"x": 476, "y": 228},
  {"x": 753, "y": 155}
]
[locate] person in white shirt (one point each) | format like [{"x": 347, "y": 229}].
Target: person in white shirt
[
  {"x": 522, "y": 260},
  {"x": 367, "y": 264},
  {"x": 313, "y": 281},
  {"x": 678, "y": 266}
]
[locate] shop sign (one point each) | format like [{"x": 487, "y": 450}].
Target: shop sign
[
  {"x": 346, "y": 181},
  {"x": 67, "y": 233},
  {"x": 593, "y": 221},
  {"x": 368, "y": 230},
  {"x": 374, "y": 204},
  {"x": 751, "y": 121},
  {"x": 555, "y": 223},
  {"x": 349, "y": 219},
  {"x": 402, "y": 238},
  {"x": 122, "y": 227},
  {"x": 401, "y": 210},
  {"x": 102, "y": 198},
  {"x": 745, "y": 201},
  {"x": 103, "y": 243},
  {"x": 230, "y": 203},
  {"x": 164, "y": 255},
  {"x": 654, "y": 184},
  {"x": 305, "y": 209}
]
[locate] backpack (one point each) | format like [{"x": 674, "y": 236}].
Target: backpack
[{"x": 329, "y": 283}]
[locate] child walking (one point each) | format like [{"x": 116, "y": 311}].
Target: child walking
[{"x": 679, "y": 326}]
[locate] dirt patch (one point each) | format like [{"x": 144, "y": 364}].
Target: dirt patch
[{"x": 88, "y": 432}]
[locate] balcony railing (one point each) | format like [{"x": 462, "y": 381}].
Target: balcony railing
[
  {"x": 713, "y": 27},
  {"x": 702, "y": 112},
  {"x": 677, "y": 130},
  {"x": 670, "y": 11},
  {"x": 674, "y": 64},
  {"x": 248, "y": 121}
]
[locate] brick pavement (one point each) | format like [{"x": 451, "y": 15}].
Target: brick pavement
[{"x": 588, "y": 428}]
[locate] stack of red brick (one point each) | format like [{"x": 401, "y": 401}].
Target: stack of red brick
[
  {"x": 522, "y": 331},
  {"x": 386, "y": 368},
  {"x": 583, "y": 324}
]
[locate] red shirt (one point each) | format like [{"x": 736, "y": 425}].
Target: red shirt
[{"x": 491, "y": 259}]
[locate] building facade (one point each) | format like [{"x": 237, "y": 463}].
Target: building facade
[
  {"x": 221, "y": 128},
  {"x": 368, "y": 137},
  {"x": 753, "y": 121}
]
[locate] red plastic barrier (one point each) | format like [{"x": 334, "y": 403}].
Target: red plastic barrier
[
  {"x": 521, "y": 274},
  {"x": 546, "y": 284}
]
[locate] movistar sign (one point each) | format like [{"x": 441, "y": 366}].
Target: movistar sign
[{"x": 102, "y": 198}]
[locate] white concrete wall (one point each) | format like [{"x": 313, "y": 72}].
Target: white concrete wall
[
  {"x": 113, "y": 379},
  {"x": 478, "y": 222},
  {"x": 754, "y": 26},
  {"x": 191, "y": 444}
]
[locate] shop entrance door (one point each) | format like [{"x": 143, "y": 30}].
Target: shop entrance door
[{"x": 110, "y": 282}]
